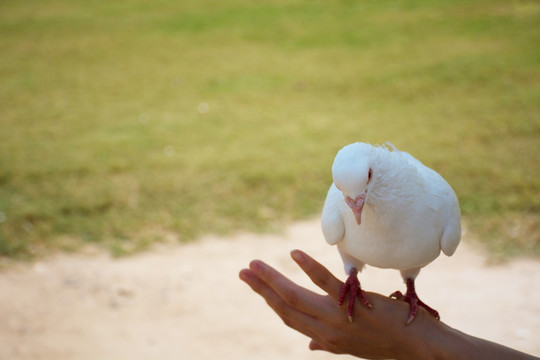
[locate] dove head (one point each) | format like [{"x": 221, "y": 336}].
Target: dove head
[{"x": 352, "y": 173}]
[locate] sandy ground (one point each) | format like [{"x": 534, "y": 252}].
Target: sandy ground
[{"x": 186, "y": 302}]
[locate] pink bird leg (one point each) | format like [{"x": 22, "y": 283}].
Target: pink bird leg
[
  {"x": 352, "y": 286},
  {"x": 412, "y": 298}
]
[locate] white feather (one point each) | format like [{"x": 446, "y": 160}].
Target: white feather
[{"x": 409, "y": 215}]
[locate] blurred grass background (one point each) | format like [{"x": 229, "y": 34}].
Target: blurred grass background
[{"x": 129, "y": 122}]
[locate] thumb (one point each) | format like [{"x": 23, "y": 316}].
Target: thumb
[{"x": 313, "y": 345}]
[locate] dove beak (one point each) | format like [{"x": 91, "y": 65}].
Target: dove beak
[{"x": 357, "y": 205}]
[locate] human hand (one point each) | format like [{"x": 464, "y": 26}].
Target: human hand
[{"x": 375, "y": 333}]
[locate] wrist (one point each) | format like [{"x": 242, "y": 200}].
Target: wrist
[{"x": 430, "y": 339}]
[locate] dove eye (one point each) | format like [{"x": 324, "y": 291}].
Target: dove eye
[{"x": 369, "y": 176}]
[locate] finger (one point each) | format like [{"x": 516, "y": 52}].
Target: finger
[
  {"x": 294, "y": 295},
  {"x": 314, "y": 345},
  {"x": 318, "y": 273},
  {"x": 292, "y": 317}
]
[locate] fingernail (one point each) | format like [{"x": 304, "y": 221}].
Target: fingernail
[
  {"x": 256, "y": 266},
  {"x": 298, "y": 256},
  {"x": 244, "y": 275}
]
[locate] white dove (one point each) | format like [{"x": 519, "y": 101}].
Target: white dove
[{"x": 388, "y": 210}]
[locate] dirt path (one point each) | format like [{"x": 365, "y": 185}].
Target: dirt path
[{"x": 186, "y": 302}]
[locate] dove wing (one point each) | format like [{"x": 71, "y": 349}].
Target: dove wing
[
  {"x": 452, "y": 232},
  {"x": 447, "y": 205},
  {"x": 332, "y": 224}
]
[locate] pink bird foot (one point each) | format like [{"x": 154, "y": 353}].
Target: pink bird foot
[
  {"x": 352, "y": 286},
  {"x": 412, "y": 298}
]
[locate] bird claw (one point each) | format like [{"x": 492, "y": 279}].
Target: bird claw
[
  {"x": 412, "y": 299},
  {"x": 352, "y": 287},
  {"x": 397, "y": 295}
]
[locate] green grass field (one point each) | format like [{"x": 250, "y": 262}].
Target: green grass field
[{"x": 128, "y": 122}]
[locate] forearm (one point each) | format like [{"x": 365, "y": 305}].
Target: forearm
[
  {"x": 469, "y": 347},
  {"x": 442, "y": 342}
]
